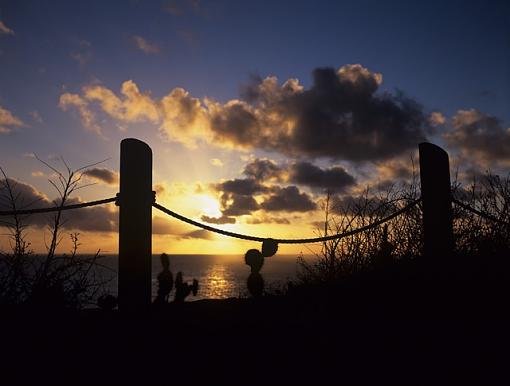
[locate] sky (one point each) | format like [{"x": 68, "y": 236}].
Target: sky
[{"x": 252, "y": 109}]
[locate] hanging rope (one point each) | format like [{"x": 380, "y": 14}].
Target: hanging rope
[
  {"x": 287, "y": 241},
  {"x": 479, "y": 213},
  {"x": 57, "y": 208}
]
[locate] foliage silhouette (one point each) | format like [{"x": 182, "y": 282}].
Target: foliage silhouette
[{"x": 60, "y": 281}]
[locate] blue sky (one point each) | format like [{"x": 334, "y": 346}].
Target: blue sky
[{"x": 448, "y": 56}]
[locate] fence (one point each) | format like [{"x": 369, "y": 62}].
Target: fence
[{"x": 136, "y": 199}]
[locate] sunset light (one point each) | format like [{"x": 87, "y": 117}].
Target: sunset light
[{"x": 270, "y": 192}]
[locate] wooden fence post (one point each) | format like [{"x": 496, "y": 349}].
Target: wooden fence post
[
  {"x": 437, "y": 203},
  {"x": 135, "y": 225}
]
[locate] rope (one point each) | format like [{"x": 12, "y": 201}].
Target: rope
[
  {"x": 479, "y": 213},
  {"x": 57, "y": 208},
  {"x": 287, "y": 241}
]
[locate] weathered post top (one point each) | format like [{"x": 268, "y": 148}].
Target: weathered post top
[
  {"x": 437, "y": 204},
  {"x": 135, "y": 225}
]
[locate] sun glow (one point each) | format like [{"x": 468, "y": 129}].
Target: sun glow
[{"x": 208, "y": 205}]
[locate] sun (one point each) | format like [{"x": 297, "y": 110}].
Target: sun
[{"x": 208, "y": 206}]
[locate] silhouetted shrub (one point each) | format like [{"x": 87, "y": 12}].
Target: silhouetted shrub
[
  {"x": 401, "y": 238},
  {"x": 50, "y": 280},
  {"x": 183, "y": 289}
]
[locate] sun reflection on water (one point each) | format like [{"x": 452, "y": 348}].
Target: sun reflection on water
[{"x": 219, "y": 282}]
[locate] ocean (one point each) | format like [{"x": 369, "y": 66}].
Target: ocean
[{"x": 219, "y": 276}]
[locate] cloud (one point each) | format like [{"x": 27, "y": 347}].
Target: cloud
[
  {"x": 134, "y": 107},
  {"x": 238, "y": 205},
  {"x": 197, "y": 234},
  {"x": 28, "y": 196},
  {"x": 103, "y": 175},
  {"x": 145, "y": 46},
  {"x": 334, "y": 179},
  {"x": 218, "y": 220},
  {"x": 437, "y": 119},
  {"x": 103, "y": 218},
  {"x": 8, "y": 121},
  {"x": 479, "y": 137},
  {"x": 267, "y": 220},
  {"x": 236, "y": 199},
  {"x": 179, "y": 116},
  {"x": 87, "y": 117},
  {"x": 263, "y": 169},
  {"x": 260, "y": 190},
  {"x": 241, "y": 186},
  {"x": 98, "y": 218},
  {"x": 393, "y": 172},
  {"x": 4, "y": 30},
  {"x": 288, "y": 199},
  {"x": 183, "y": 118},
  {"x": 341, "y": 116}
]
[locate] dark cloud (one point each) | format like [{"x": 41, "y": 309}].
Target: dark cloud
[
  {"x": 340, "y": 116},
  {"x": 235, "y": 122},
  {"x": 263, "y": 169},
  {"x": 197, "y": 234},
  {"x": 268, "y": 220},
  {"x": 236, "y": 199},
  {"x": 334, "y": 179},
  {"x": 103, "y": 175},
  {"x": 241, "y": 186},
  {"x": 238, "y": 205},
  {"x": 218, "y": 220},
  {"x": 238, "y": 194},
  {"x": 288, "y": 199},
  {"x": 479, "y": 135},
  {"x": 26, "y": 197},
  {"x": 97, "y": 219}
]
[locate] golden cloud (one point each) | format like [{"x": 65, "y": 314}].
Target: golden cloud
[
  {"x": 8, "y": 121},
  {"x": 341, "y": 116},
  {"x": 4, "y": 30},
  {"x": 87, "y": 117}
]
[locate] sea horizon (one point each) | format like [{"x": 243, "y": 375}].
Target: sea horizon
[{"x": 220, "y": 276}]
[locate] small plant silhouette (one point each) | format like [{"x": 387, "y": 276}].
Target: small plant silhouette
[
  {"x": 183, "y": 289},
  {"x": 165, "y": 281},
  {"x": 255, "y": 259}
]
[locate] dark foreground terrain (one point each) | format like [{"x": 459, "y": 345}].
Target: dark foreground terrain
[{"x": 380, "y": 328}]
